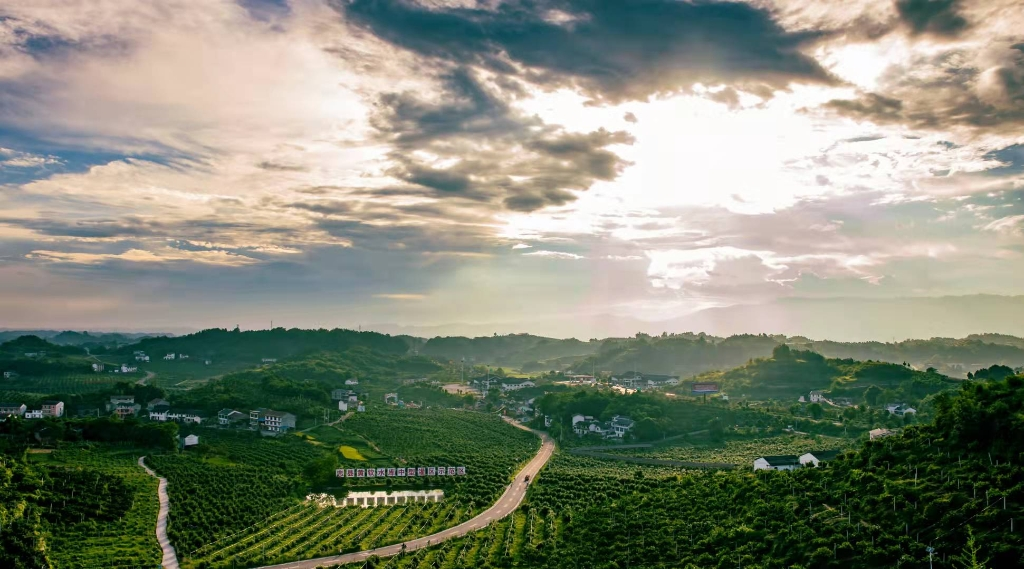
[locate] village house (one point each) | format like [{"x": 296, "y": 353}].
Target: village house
[
  {"x": 900, "y": 409},
  {"x": 229, "y": 417},
  {"x": 12, "y": 409},
  {"x": 34, "y": 414},
  {"x": 10, "y": 375},
  {"x": 817, "y": 457},
  {"x": 637, "y": 380},
  {"x": 53, "y": 408},
  {"x": 184, "y": 417},
  {"x": 817, "y": 396},
  {"x": 159, "y": 413},
  {"x": 155, "y": 403},
  {"x": 269, "y": 360},
  {"x": 97, "y": 367},
  {"x": 270, "y": 420},
  {"x": 189, "y": 441},
  {"x": 141, "y": 357},
  {"x": 621, "y": 425},
  {"x": 875, "y": 434},
  {"x": 169, "y": 357},
  {"x": 782, "y": 462},
  {"x": 352, "y": 381},
  {"x": 125, "y": 368},
  {"x": 342, "y": 406},
  {"x": 514, "y": 384},
  {"x": 123, "y": 405},
  {"x": 344, "y": 395}
]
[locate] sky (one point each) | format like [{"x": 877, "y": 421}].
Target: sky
[{"x": 200, "y": 163}]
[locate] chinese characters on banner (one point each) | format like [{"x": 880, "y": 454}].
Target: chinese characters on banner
[{"x": 400, "y": 472}]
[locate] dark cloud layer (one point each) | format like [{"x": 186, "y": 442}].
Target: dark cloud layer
[
  {"x": 501, "y": 155},
  {"x": 936, "y": 17},
  {"x": 614, "y": 51},
  {"x": 955, "y": 93}
]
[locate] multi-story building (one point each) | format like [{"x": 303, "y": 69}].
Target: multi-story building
[
  {"x": 53, "y": 408},
  {"x": 9, "y": 409},
  {"x": 270, "y": 420}
]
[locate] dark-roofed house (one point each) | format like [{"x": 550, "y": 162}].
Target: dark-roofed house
[
  {"x": 781, "y": 462},
  {"x": 230, "y": 416},
  {"x": 8, "y": 409},
  {"x": 818, "y": 456}
]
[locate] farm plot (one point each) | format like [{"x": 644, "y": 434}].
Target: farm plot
[
  {"x": 107, "y": 508},
  {"x": 742, "y": 451}
]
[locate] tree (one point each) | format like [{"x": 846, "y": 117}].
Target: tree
[
  {"x": 717, "y": 428},
  {"x": 782, "y": 352},
  {"x": 815, "y": 410},
  {"x": 872, "y": 394},
  {"x": 969, "y": 558}
]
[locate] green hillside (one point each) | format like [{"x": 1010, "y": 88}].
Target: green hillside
[
  {"x": 511, "y": 350},
  {"x": 789, "y": 374}
]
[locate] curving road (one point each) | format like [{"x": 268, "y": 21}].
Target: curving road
[
  {"x": 509, "y": 501},
  {"x": 170, "y": 560}
]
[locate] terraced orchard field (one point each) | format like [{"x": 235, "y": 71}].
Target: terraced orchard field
[
  {"x": 241, "y": 500},
  {"x": 309, "y": 530},
  {"x": 741, "y": 452},
  {"x": 490, "y": 449},
  {"x": 102, "y": 509}
]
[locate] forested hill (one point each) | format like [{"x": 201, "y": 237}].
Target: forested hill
[
  {"x": 953, "y": 487},
  {"x": 253, "y": 346},
  {"x": 788, "y": 374},
  {"x": 689, "y": 354},
  {"x": 511, "y": 350}
]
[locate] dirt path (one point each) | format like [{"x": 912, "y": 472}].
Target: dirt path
[
  {"x": 509, "y": 501},
  {"x": 170, "y": 559}
]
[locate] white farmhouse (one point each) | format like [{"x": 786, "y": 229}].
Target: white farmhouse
[
  {"x": 169, "y": 357},
  {"x": 352, "y": 381},
  {"x": 817, "y": 457},
  {"x": 782, "y": 462},
  {"x": 513, "y": 384}
]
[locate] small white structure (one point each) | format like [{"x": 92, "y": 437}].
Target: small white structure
[
  {"x": 352, "y": 381},
  {"x": 547, "y": 421},
  {"x": 512, "y": 384},
  {"x": 97, "y": 367},
  {"x": 10, "y": 375},
  {"x": 270, "y": 360},
  {"x": 817, "y": 457},
  {"x": 900, "y": 409},
  {"x": 577, "y": 418},
  {"x": 342, "y": 406},
  {"x": 182, "y": 356},
  {"x": 782, "y": 462},
  {"x": 817, "y": 397},
  {"x": 139, "y": 357},
  {"x": 361, "y": 408},
  {"x": 125, "y": 368},
  {"x": 34, "y": 414},
  {"x": 190, "y": 441},
  {"x": 169, "y": 357}
]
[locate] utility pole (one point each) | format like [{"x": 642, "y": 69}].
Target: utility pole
[{"x": 930, "y": 550}]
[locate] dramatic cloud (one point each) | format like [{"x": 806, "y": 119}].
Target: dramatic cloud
[
  {"x": 613, "y": 51},
  {"x": 344, "y": 162}
]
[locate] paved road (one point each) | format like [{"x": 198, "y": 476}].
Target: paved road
[
  {"x": 505, "y": 505},
  {"x": 170, "y": 560}
]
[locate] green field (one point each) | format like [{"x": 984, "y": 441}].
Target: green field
[
  {"x": 239, "y": 498},
  {"x": 72, "y": 384},
  {"x": 84, "y": 536},
  {"x": 741, "y": 452}
]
